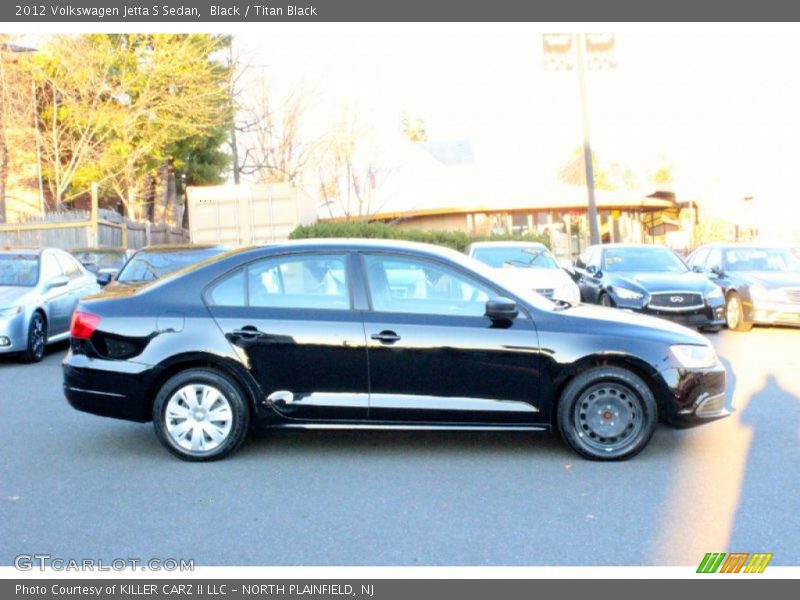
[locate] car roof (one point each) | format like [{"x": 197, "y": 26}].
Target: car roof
[
  {"x": 172, "y": 247},
  {"x": 22, "y": 250},
  {"x": 98, "y": 250},
  {"x": 507, "y": 244}
]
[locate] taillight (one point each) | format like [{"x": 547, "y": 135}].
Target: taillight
[{"x": 83, "y": 325}]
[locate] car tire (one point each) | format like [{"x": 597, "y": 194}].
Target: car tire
[
  {"x": 605, "y": 300},
  {"x": 37, "y": 339},
  {"x": 734, "y": 313},
  {"x": 714, "y": 329},
  {"x": 201, "y": 415},
  {"x": 607, "y": 413}
]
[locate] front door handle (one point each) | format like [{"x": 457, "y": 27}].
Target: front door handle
[
  {"x": 248, "y": 333},
  {"x": 386, "y": 337}
]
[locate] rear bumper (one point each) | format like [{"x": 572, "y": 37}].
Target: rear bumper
[
  {"x": 696, "y": 396},
  {"x": 116, "y": 389}
]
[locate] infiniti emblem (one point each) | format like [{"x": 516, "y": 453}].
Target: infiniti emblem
[{"x": 676, "y": 299}]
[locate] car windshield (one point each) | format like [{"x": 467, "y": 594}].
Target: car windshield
[
  {"x": 642, "y": 260},
  {"x": 19, "y": 269},
  {"x": 761, "y": 259},
  {"x": 94, "y": 261},
  {"x": 515, "y": 256},
  {"x": 151, "y": 265}
]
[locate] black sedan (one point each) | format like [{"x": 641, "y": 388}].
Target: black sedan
[
  {"x": 761, "y": 283},
  {"x": 375, "y": 334},
  {"x": 652, "y": 280}
]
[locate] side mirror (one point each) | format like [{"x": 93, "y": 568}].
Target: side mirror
[
  {"x": 56, "y": 282},
  {"x": 716, "y": 271},
  {"x": 501, "y": 309},
  {"x": 105, "y": 278},
  {"x": 591, "y": 269},
  {"x": 697, "y": 269}
]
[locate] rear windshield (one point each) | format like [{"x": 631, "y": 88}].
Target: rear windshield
[
  {"x": 94, "y": 261},
  {"x": 19, "y": 269},
  {"x": 147, "y": 266}
]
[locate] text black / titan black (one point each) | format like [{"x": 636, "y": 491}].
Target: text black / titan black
[{"x": 378, "y": 334}]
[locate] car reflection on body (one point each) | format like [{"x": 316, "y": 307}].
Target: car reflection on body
[
  {"x": 343, "y": 334},
  {"x": 761, "y": 283},
  {"x": 530, "y": 264},
  {"x": 652, "y": 280},
  {"x": 39, "y": 289}
]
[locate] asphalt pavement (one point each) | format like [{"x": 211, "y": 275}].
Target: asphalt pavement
[{"x": 73, "y": 485}]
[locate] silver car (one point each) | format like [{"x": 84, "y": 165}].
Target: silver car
[{"x": 39, "y": 289}]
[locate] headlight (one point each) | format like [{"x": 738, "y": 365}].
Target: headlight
[
  {"x": 627, "y": 294},
  {"x": 759, "y": 292},
  {"x": 716, "y": 292},
  {"x": 694, "y": 357},
  {"x": 10, "y": 312}
]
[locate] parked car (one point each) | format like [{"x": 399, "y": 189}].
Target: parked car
[
  {"x": 104, "y": 263},
  {"x": 153, "y": 262},
  {"x": 529, "y": 263},
  {"x": 651, "y": 280},
  {"x": 323, "y": 334},
  {"x": 761, "y": 283},
  {"x": 39, "y": 289}
]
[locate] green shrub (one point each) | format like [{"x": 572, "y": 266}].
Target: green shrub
[{"x": 457, "y": 240}]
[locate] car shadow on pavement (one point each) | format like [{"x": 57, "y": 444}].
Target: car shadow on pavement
[{"x": 767, "y": 514}]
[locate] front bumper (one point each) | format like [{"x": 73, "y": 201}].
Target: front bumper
[
  {"x": 711, "y": 314},
  {"x": 772, "y": 313},
  {"x": 13, "y": 333},
  {"x": 109, "y": 388},
  {"x": 695, "y": 396}
]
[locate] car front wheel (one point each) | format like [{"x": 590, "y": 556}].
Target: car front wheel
[
  {"x": 37, "y": 339},
  {"x": 200, "y": 415},
  {"x": 734, "y": 313},
  {"x": 607, "y": 413}
]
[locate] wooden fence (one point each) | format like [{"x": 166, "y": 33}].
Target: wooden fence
[{"x": 84, "y": 229}]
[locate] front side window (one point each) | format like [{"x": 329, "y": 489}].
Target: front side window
[
  {"x": 312, "y": 281},
  {"x": 70, "y": 266},
  {"x": 411, "y": 285},
  {"x": 50, "y": 267},
  {"x": 714, "y": 260}
]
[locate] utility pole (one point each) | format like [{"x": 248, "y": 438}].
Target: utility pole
[
  {"x": 594, "y": 233},
  {"x": 568, "y": 52}
]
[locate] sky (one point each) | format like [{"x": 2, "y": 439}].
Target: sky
[{"x": 721, "y": 108}]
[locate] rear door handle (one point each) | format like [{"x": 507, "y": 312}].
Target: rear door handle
[{"x": 386, "y": 337}]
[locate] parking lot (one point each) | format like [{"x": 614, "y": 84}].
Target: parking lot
[{"x": 73, "y": 485}]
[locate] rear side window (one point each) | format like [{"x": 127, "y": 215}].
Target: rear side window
[{"x": 311, "y": 281}]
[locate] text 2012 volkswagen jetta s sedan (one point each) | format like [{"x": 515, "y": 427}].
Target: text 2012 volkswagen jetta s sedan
[{"x": 378, "y": 334}]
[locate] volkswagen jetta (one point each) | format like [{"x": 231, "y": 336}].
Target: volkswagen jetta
[{"x": 378, "y": 334}]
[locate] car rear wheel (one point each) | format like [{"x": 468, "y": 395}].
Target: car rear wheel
[
  {"x": 37, "y": 339},
  {"x": 607, "y": 413},
  {"x": 200, "y": 415},
  {"x": 734, "y": 313},
  {"x": 606, "y": 300}
]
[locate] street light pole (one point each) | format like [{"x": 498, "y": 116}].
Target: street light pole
[{"x": 580, "y": 44}]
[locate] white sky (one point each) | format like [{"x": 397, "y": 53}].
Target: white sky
[{"x": 721, "y": 107}]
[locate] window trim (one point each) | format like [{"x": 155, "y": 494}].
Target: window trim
[{"x": 349, "y": 280}]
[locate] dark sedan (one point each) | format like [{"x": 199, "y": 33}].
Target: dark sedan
[
  {"x": 375, "y": 334},
  {"x": 761, "y": 283},
  {"x": 652, "y": 280}
]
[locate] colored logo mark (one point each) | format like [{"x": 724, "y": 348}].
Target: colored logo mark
[{"x": 735, "y": 562}]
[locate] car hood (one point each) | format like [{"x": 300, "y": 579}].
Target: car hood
[
  {"x": 663, "y": 282},
  {"x": 770, "y": 279},
  {"x": 533, "y": 278},
  {"x": 11, "y": 295},
  {"x": 614, "y": 321}
]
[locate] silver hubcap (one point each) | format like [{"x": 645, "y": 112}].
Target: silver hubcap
[
  {"x": 732, "y": 311},
  {"x": 198, "y": 418},
  {"x": 607, "y": 416}
]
